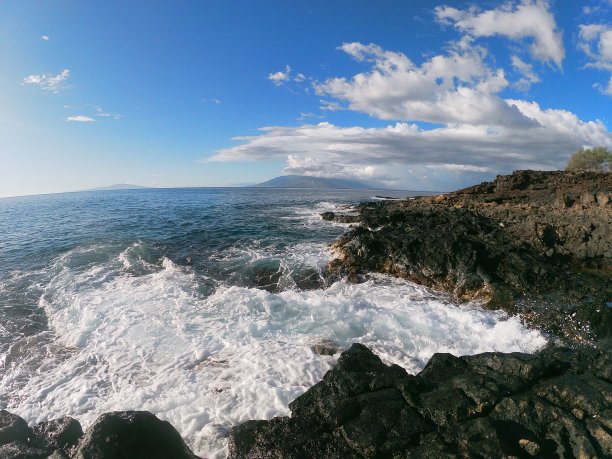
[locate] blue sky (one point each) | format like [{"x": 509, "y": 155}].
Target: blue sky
[{"x": 412, "y": 94}]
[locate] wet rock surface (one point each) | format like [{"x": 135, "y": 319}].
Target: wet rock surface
[
  {"x": 554, "y": 404},
  {"x": 115, "y": 435},
  {"x": 534, "y": 242}
]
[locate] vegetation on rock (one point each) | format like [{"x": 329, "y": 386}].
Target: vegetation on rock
[{"x": 592, "y": 159}]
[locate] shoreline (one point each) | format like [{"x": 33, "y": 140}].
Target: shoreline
[
  {"x": 348, "y": 419},
  {"x": 534, "y": 243}
]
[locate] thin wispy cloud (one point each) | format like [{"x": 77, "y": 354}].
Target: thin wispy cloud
[
  {"x": 529, "y": 77},
  {"x": 529, "y": 19},
  {"x": 100, "y": 112},
  {"x": 53, "y": 83},
  {"x": 81, "y": 119},
  {"x": 281, "y": 77},
  {"x": 595, "y": 40}
]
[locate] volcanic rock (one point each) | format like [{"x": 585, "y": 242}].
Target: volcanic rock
[
  {"x": 133, "y": 435},
  {"x": 494, "y": 405},
  {"x": 534, "y": 242}
]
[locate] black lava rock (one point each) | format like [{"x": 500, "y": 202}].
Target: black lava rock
[
  {"x": 132, "y": 435},
  {"x": 493, "y": 405},
  {"x": 13, "y": 428},
  {"x": 63, "y": 433}
]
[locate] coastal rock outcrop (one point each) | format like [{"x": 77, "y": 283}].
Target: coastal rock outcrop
[
  {"x": 115, "y": 435},
  {"x": 534, "y": 242},
  {"x": 555, "y": 404}
]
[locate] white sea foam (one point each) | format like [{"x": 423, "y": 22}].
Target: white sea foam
[
  {"x": 311, "y": 216},
  {"x": 151, "y": 342}
]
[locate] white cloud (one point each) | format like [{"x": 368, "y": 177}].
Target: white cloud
[
  {"x": 52, "y": 83},
  {"x": 529, "y": 76},
  {"x": 381, "y": 153},
  {"x": 81, "y": 119},
  {"x": 454, "y": 88},
  {"x": 102, "y": 114},
  {"x": 595, "y": 40},
  {"x": 529, "y": 19},
  {"x": 44, "y": 37},
  {"x": 280, "y": 77},
  {"x": 607, "y": 90}
]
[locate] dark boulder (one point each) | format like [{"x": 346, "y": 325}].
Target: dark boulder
[
  {"x": 20, "y": 450},
  {"x": 13, "y": 429},
  {"x": 63, "y": 433},
  {"x": 132, "y": 435}
]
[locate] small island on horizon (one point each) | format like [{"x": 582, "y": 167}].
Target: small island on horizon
[{"x": 119, "y": 186}]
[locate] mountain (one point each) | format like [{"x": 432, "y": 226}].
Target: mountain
[
  {"x": 303, "y": 181},
  {"x": 118, "y": 186}
]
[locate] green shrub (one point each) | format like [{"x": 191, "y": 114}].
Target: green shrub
[{"x": 592, "y": 159}]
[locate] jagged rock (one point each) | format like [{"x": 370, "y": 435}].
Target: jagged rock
[
  {"x": 325, "y": 347},
  {"x": 13, "y": 429},
  {"x": 534, "y": 242},
  {"x": 339, "y": 217},
  {"x": 133, "y": 435},
  {"x": 60, "y": 433},
  {"x": 490, "y": 405},
  {"x": 20, "y": 450}
]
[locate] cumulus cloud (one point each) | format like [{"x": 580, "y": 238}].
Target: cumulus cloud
[
  {"x": 280, "y": 77},
  {"x": 530, "y": 19},
  {"x": 325, "y": 149},
  {"x": 52, "y": 83},
  {"x": 81, "y": 119},
  {"x": 44, "y": 37},
  {"x": 454, "y": 88}
]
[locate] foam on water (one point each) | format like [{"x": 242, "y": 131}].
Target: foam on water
[{"x": 126, "y": 337}]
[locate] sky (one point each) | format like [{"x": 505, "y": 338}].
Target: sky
[{"x": 418, "y": 95}]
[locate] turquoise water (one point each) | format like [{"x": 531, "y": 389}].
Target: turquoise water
[{"x": 200, "y": 305}]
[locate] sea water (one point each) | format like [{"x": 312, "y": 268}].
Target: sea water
[{"x": 201, "y": 306}]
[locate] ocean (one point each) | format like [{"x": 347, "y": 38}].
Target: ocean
[{"x": 202, "y": 306}]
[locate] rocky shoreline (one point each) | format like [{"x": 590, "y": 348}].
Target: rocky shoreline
[
  {"x": 557, "y": 403},
  {"x": 534, "y": 243}
]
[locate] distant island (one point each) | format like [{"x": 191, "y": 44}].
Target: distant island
[
  {"x": 118, "y": 186},
  {"x": 303, "y": 181}
]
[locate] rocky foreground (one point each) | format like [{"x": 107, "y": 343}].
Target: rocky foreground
[
  {"x": 492, "y": 405},
  {"x": 534, "y": 242},
  {"x": 117, "y": 435}
]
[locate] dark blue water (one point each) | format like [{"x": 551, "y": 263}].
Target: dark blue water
[{"x": 200, "y": 305}]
